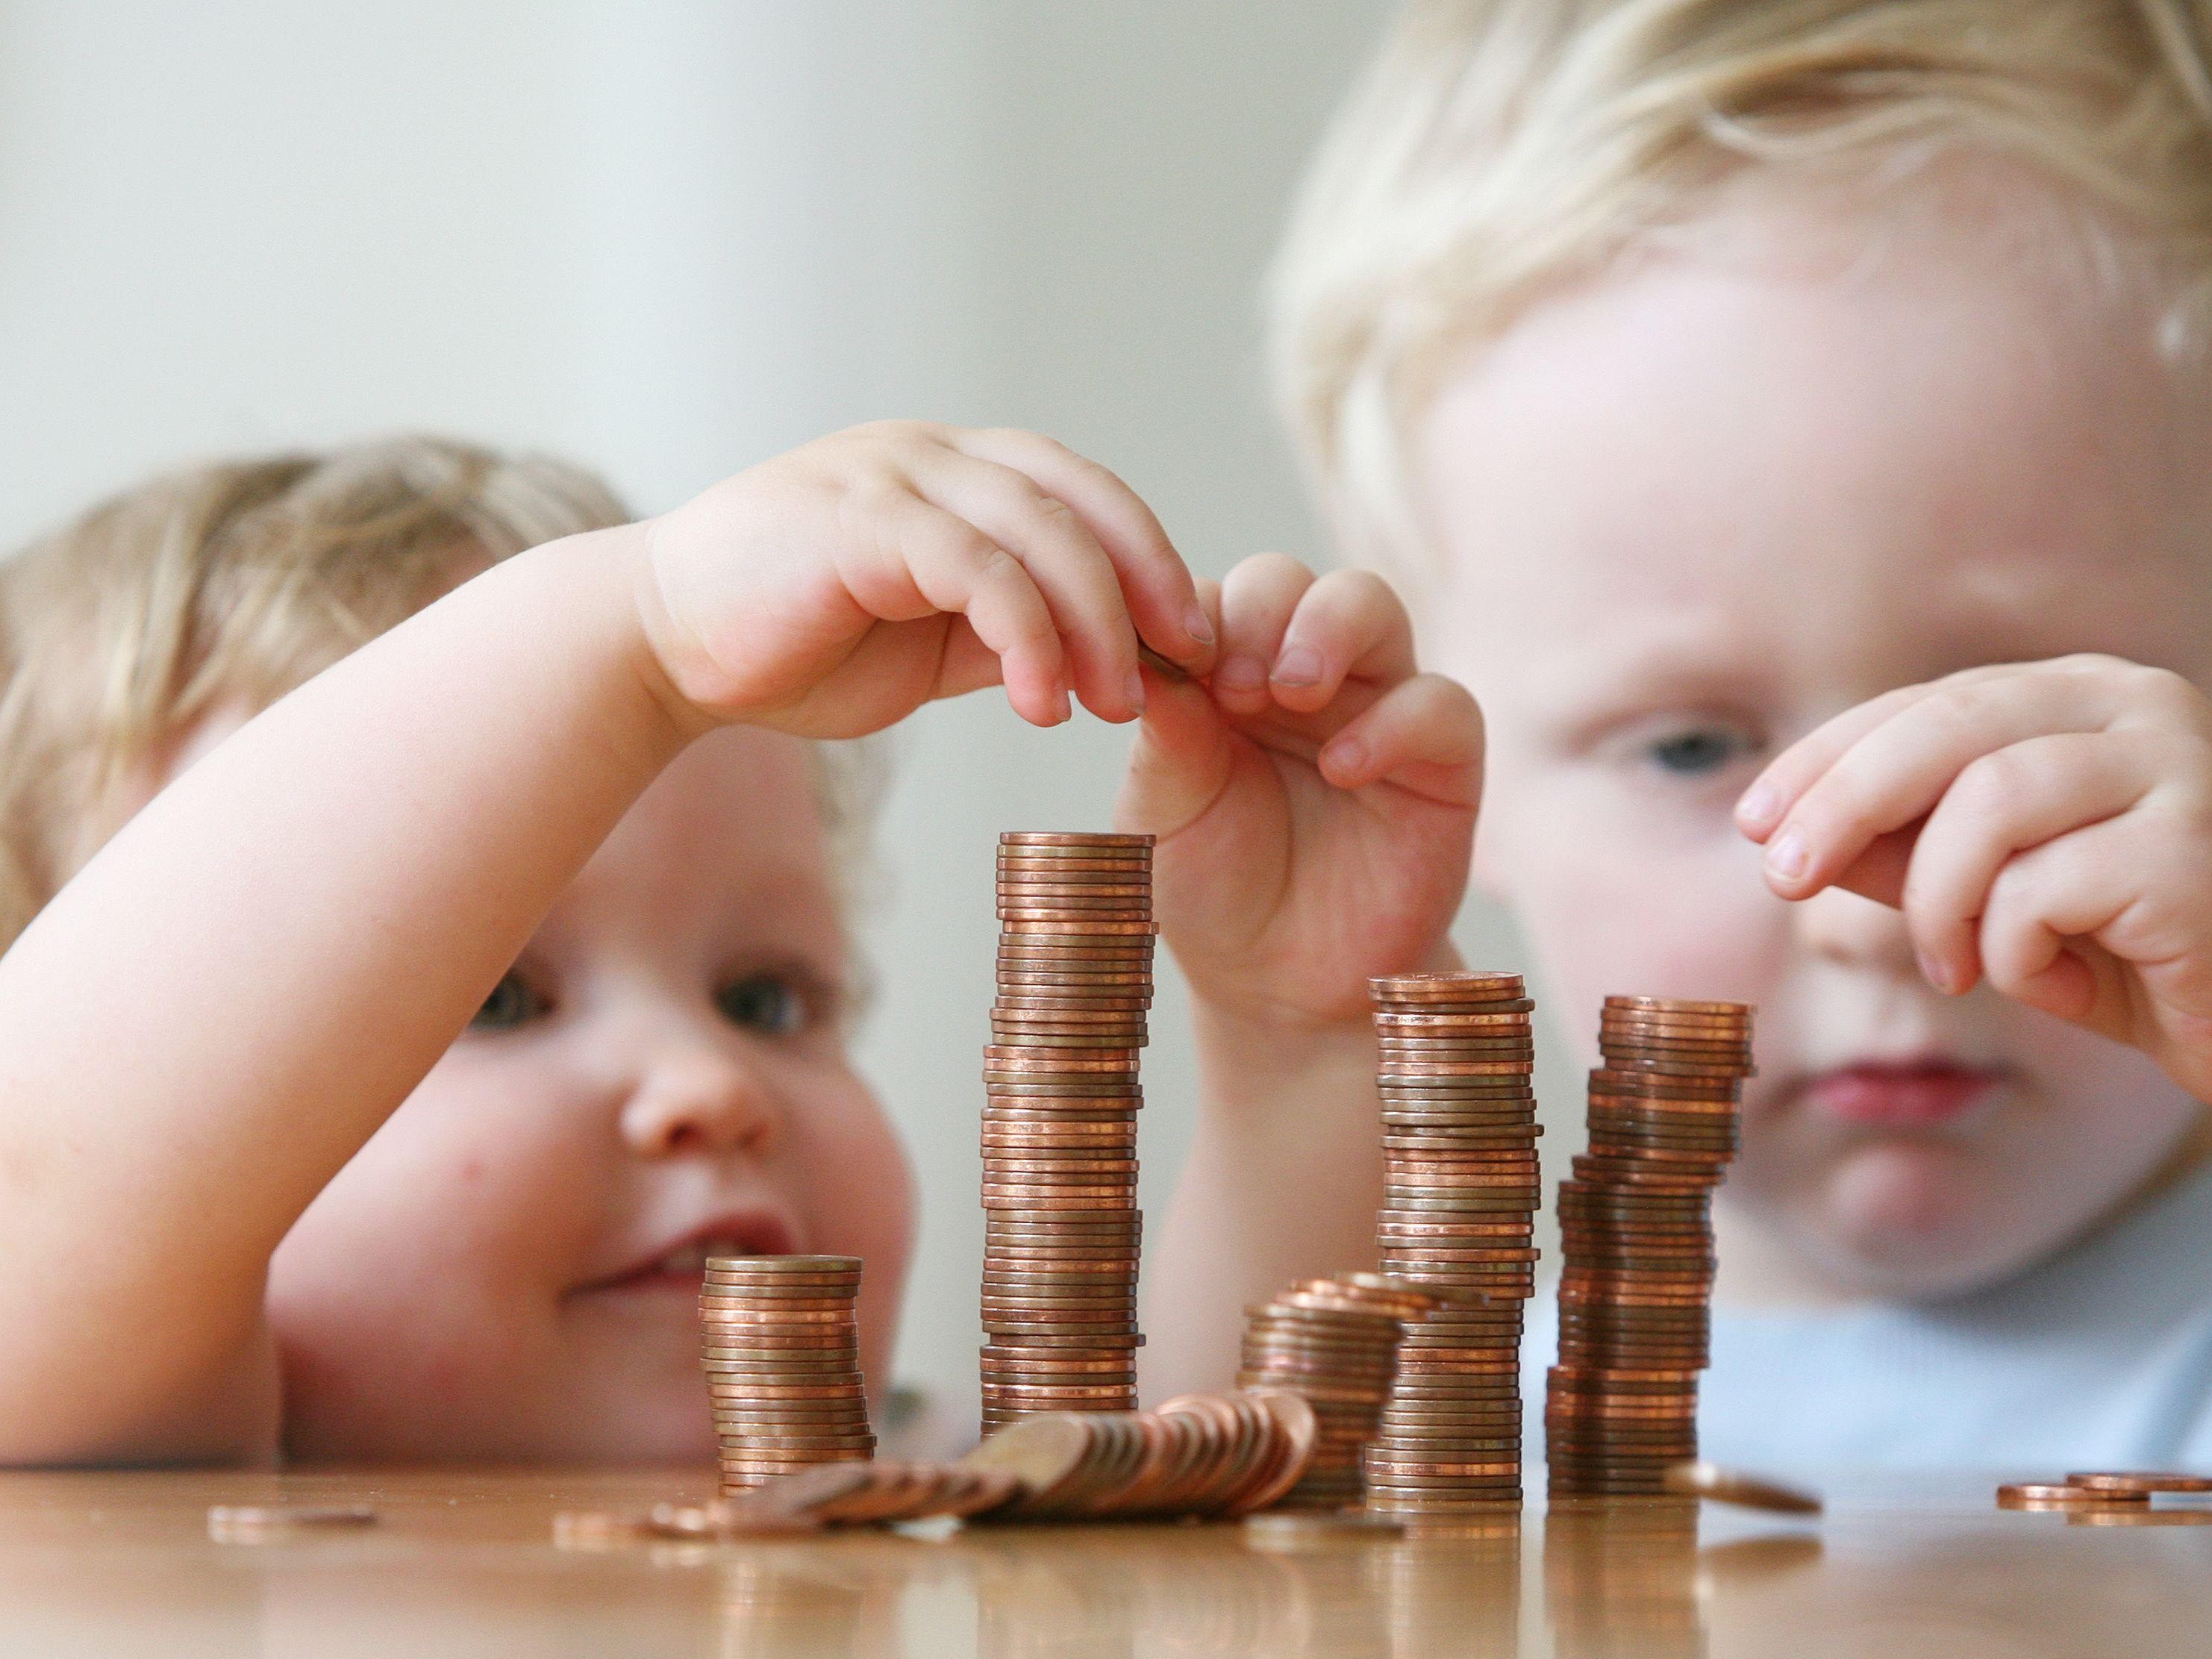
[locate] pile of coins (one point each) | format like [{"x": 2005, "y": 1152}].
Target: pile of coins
[
  {"x": 1334, "y": 1342},
  {"x": 1460, "y": 1187},
  {"x": 1635, "y": 1219},
  {"x": 781, "y": 1345},
  {"x": 1207, "y": 1456},
  {"x": 1061, "y": 1227},
  {"x": 2109, "y": 1489}
]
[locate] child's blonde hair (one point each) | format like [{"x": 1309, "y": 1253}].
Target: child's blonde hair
[
  {"x": 1498, "y": 146},
  {"x": 227, "y": 585}
]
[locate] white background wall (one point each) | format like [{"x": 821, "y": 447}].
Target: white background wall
[{"x": 667, "y": 238}]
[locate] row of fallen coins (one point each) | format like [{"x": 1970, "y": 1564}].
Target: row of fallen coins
[
  {"x": 1461, "y": 1189},
  {"x": 1334, "y": 1342},
  {"x": 782, "y": 1348},
  {"x": 2109, "y": 1488},
  {"x": 1062, "y": 1232},
  {"x": 1635, "y": 1224},
  {"x": 1200, "y": 1455},
  {"x": 1207, "y": 1456}
]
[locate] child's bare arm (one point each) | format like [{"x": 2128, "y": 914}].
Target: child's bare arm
[
  {"x": 1315, "y": 805},
  {"x": 229, "y": 999},
  {"x": 2045, "y": 826}
]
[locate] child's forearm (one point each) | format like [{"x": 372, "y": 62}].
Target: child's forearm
[
  {"x": 223, "y": 1006},
  {"x": 1283, "y": 1182}
]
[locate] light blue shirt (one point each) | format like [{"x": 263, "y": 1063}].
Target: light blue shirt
[{"x": 2100, "y": 1357}]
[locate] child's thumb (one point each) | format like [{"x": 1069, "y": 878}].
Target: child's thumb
[{"x": 1180, "y": 762}]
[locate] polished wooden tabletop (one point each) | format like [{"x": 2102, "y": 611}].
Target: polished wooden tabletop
[{"x": 467, "y": 1563}]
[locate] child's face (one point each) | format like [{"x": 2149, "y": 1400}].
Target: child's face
[
  {"x": 510, "y": 1268},
  {"x": 1691, "y": 511}
]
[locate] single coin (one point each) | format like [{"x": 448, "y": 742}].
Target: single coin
[
  {"x": 2141, "y": 1481},
  {"x": 2010, "y": 1496}
]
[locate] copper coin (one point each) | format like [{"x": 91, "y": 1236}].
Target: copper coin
[{"x": 2141, "y": 1481}]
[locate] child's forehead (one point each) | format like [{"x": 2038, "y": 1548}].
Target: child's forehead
[
  {"x": 732, "y": 830},
  {"x": 1737, "y": 466}
]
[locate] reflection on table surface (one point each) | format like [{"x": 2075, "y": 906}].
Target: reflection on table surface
[{"x": 466, "y": 1563}]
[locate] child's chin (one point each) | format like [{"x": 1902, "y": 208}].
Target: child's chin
[{"x": 1902, "y": 1218}]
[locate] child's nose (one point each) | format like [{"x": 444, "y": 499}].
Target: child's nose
[
  {"x": 1846, "y": 928},
  {"x": 700, "y": 1104}
]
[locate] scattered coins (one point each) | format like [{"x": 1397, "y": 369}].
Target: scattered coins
[
  {"x": 2101, "y": 1490},
  {"x": 781, "y": 1349},
  {"x": 1061, "y": 1231},
  {"x": 1636, "y": 1285},
  {"x": 261, "y": 1523},
  {"x": 1200, "y": 1455},
  {"x": 1333, "y": 1342},
  {"x": 1461, "y": 1189},
  {"x": 1748, "y": 1491}
]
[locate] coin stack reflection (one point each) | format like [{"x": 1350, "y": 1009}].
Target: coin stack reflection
[
  {"x": 1636, "y": 1285},
  {"x": 1332, "y": 1341},
  {"x": 1061, "y": 1227},
  {"x": 782, "y": 1348},
  {"x": 1460, "y": 1197}
]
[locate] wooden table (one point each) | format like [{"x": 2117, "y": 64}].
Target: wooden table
[{"x": 466, "y": 1563}]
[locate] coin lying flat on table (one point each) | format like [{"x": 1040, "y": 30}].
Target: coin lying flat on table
[{"x": 1749, "y": 1491}]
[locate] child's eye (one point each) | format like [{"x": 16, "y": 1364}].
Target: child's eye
[
  {"x": 1697, "y": 751},
  {"x": 765, "y": 1003},
  {"x": 511, "y": 1003}
]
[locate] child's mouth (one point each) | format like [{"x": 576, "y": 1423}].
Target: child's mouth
[
  {"x": 682, "y": 1266},
  {"x": 1908, "y": 1095}
]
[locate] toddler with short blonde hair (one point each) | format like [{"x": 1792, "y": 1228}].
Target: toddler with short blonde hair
[{"x": 1794, "y": 416}]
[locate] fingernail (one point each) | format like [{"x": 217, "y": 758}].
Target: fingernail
[
  {"x": 1348, "y": 757},
  {"x": 1786, "y": 856},
  {"x": 1242, "y": 674},
  {"x": 1936, "y": 973},
  {"x": 1757, "y": 807},
  {"x": 1136, "y": 690},
  {"x": 1198, "y": 624},
  {"x": 1298, "y": 665}
]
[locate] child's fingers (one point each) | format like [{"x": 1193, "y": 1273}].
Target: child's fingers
[
  {"x": 2001, "y": 805},
  {"x": 2068, "y": 889},
  {"x": 1349, "y": 622},
  {"x": 1157, "y": 584},
  {"x": 1425, "y": 733},
  {"x": 1896, "y": 772},
  {"x": 950, "y": 565},
  {"x": 1258, "y": 600},
  {"x": 1080, "y": 584}
]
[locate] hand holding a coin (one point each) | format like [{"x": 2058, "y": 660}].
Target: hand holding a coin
[
  {"x": 834, "y": 589},
  {"x": 1314, "y": 798}
]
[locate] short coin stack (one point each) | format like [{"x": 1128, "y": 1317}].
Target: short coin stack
[
  {"x": 781, "y": 1347},
  {"x": 1636, "y": 1288},
  {"x": 1061, "y": 1227},
  {"x": 1331, "y": 1341},
  {"x": 1460, "y": 1198}
]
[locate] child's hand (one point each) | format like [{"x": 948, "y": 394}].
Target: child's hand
[
  {"x": 1315, "y": 800},
  {"x": 2045, "y": 826},
  {"x": 833, "y": 590}
]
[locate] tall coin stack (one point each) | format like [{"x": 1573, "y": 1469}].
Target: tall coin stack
[
  {"x": 1460, "y": 1198},
  {"x": 1635, "y": 1219},
  {"x": 1332, "y": 1341},
  {"x": 782, "y": 1348},
  {"x": 1061, "y": 1227}
]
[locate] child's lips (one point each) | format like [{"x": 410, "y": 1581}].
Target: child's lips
[
  {"x": 681, "y": 1266},
  {"x": 1914, "y": 1094}
]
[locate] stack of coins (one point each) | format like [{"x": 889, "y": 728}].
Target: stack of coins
[
  {"x": 1635, "y": 1219},
  {"x": 1459, "y": 1209},
  {"x": 1061, "y": 1227},
  {"x": 1331, "y": 1341},
  {"x": 782, "y": 1351}
]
